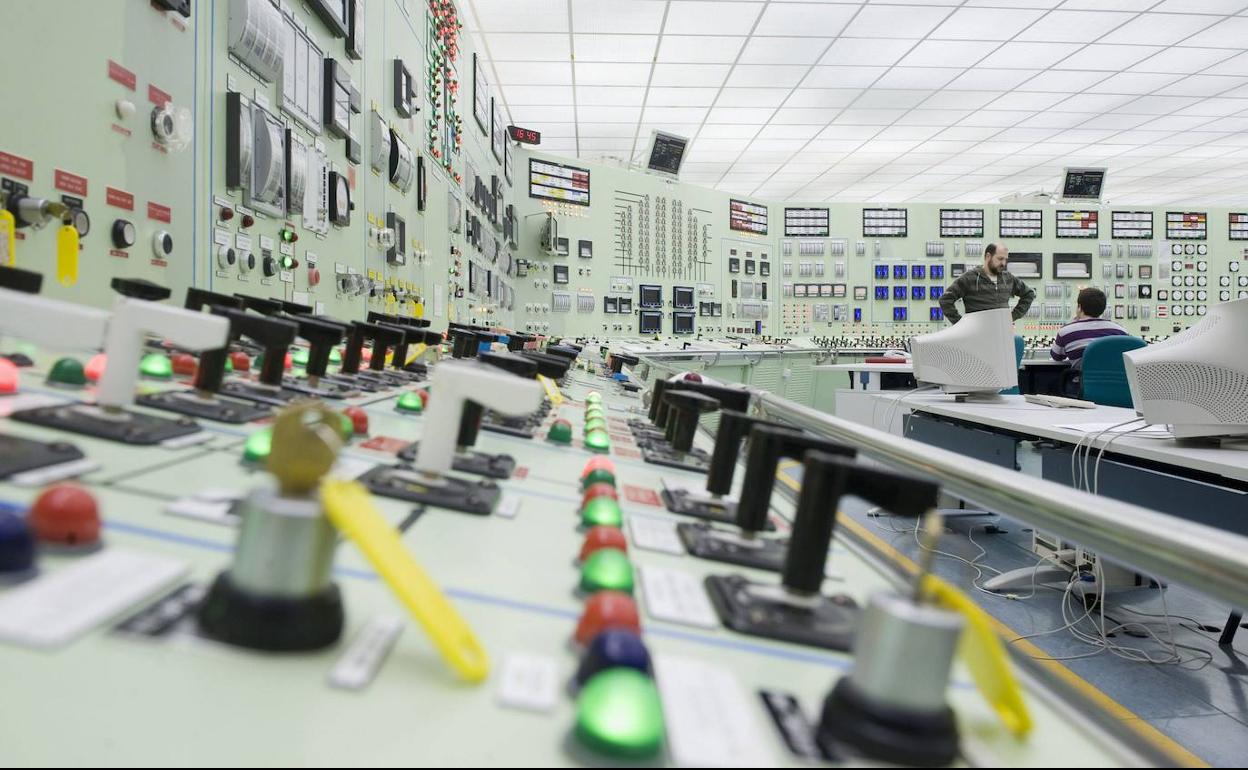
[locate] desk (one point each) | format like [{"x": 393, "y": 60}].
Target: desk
[
  {"x": 1037, "y": 375},
  {"x": 1199, "y": 483}
]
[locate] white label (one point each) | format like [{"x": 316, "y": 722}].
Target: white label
[
  {"x": 266, "y": 281},
  {"x": 508, "y": 507},
  {"x": 320, "y": 308},
  {"x": 677, "y": 597},
  {"x": 210, "y": 505},
  {"x": 438, "y": 301},
  {"x": 244, "y": 279},
  {"x": 300, "y": 297},
  {"x": 266, "y": 243},
  {"x": 310, "y": 258},
  {"x": 188, "y": 440},
  {"x": 231, "y": 84},
  {"x": 56, "y": 609},
  {"x": 243, "y": 242},
  {"x": 263, "y": 100},
  {"x": 245, "y": 210},
  {"x": 221, "y": 237},
  {"x": 359, "y": 664},
  {"x": 711, "y": 721},
  {"x": 51, "y": 473},
  {"x": 528, "y": 682},
  {"x": 286, "y": 248},
  {"x": 654, "y": 534},
  {"x": 340, "y": 268},
  {"x": 287, "y": 276}
]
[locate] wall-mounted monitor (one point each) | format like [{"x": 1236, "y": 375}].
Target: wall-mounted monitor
[
  {"x": 682, "y": 322},
  {"x": 649, "y": 295},
  {"x": 667, "y": 153},
  {"x": 650, "y": 322},
  {"x": 682, "y": 297},
  {"x": 1083, "y": 184}
]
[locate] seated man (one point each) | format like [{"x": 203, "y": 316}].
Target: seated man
[{"x": 1088, "y": 325}]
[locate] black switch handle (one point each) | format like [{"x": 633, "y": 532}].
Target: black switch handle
[
  {"x": 139, "y": 288},
  {"x": 295, "y": 308},
  {"x": 261, "y": 305},
  {"x": 198, "y": 299},
  {"x": 272, "y": 334},
  {"x": 25, "y": 281},
  {"x": 553, "y": 367},
  {"x": 767, "y": 446},
  {"x": 656, "y": 399},
  {"x": 826, "y": 478},
  {"x": 321, "y": 335},
  {"x": 510, "y": 362},
  {"x": 687, "y": 407},
  {"x": 382, "y": 336},
  {"x": 733, "y": 428},
  {"x": 400, "y": 343}
]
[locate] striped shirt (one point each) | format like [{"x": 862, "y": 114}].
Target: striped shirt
[{"x": 1078, "y": 334}]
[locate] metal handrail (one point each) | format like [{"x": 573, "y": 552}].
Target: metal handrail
[{"x": 1210, "y": 560}]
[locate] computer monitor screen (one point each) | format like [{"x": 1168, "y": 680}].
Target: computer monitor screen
[
  {"x": 649, "y": 295},
  {"x": 667, "y": 153},
  {"x": 1083, "y": 184},
  {"x": 975, "y": 355},
  {"x": 682, "y": 323},
  {"x": 651, "y": 322}
]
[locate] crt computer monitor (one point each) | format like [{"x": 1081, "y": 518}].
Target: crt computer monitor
[
  {"x": 1196, "y": 381},
  {"x": 974, "y": 356}
]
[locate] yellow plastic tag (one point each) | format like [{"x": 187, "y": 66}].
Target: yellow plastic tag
[
  {"x": 350, "y": 509},
  {"x": 418, "y": 310},
  {"x": 8, "y": 238},
  {"x": 67, "y": 255},
  {"x": 552, "y": 390},
  {"x": 982, "y": 652},
  {"x": 419, "y": 350}
]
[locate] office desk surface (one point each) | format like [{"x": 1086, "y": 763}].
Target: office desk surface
[{"x": 1012, "y": 413}]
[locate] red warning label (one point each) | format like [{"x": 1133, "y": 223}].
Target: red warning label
[
  {"x": 119, "y": 198},
  {"x": 70, "y": 183},
  {"x": 159, "y": 213},
  {"x": 12, "y": 165},
  {"x": 121, "y": 75}
]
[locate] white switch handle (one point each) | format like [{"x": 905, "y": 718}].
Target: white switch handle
[
  {"x": 455, "y": 382},
  {"x": 132, "y": 321},
  {"x": 51, "y": 322}
]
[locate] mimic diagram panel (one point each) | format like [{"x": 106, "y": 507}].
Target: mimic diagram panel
[{"x": 309, "y": 152}]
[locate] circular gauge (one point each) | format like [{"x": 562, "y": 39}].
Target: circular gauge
[
  {"x": 1234, "y": 266},
  {"x": 1176, "y": 310},
  {"x": 339, "y": 199},
  {"x": 1200, "y": 310},
  {"x": 1202, "y": 280},
  {"x": 1176, "y": 248},
  {"x": 1189, "y": 295},
  {"x": 1202, "y": 249},
  {"x": 1243, "y": 295},
  {"x": 1176, "y": 265},
  {"x": 1163, "y": 295},
  {"x": 1243, "y": 280},
  {"x": 1189, "y": 280},
  {"x": 1202, "y": 266},
  {"x": 246, "y": 261},
  {"x": 1224, "y": 280},
  {"x": 1202, "y": 296},
  {"x": 1189, "y": 248},
  {"x": 1224, "y": 296},
  {"x": 1176, "y": 280}
]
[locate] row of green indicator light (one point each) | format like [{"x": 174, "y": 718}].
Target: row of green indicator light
[{"x": 618, "y": 710}]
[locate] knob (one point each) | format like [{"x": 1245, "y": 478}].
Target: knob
[
  {"x": 226, "y": 214},
  {"x": 454, "y": 385},
  {"x": 226, "y": 256},
  {"x": 270, "y": 267},
  {"x": 123, "y": 234},
  {"x": 164, "y": 126},
  {"x": 733, "y": 428},
  {"x": 198, "y": 299},
  {"x": 767, "y": 446},
  {"x": 246, "y": 262},
  {"x": 162, "y": 244},
  {"x": 80, "y": 221},
  {"x": 688, "y": 407}
]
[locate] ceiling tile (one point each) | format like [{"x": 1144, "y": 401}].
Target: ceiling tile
[
  {"x": 612, "y": 16},
  {"x": 896, "y": 21},
  {"x": 1203, "y": 85},
  {"x": 767, "y": 75},
  {"x": 777, "y": 145},
  {"x": 667, "y": 96},
  {"x": 1060, "y": 119},
  {"x": 818, "y": 19},
  {"x": 755, "y": 115},
  {"x": 690, "y": 74},
  {"x": 1216, "y": 107},
  {"x": 517, "y": 94},
  {"x": 674, "y": 114},
  {"x": 752, "y": 97},
  {"x": 891, "y": 99},
  {"x": 804, "y": 116},
  {"x": 1020, "y": 55},
  {"x": 727, "y": 131},
  {"x": 532, "y": 114},
  {"x": 533, "y": 73},
  {"x": 945, "y": 53},
  {"x": 1161, "y": 29},
  {"x": 1183, "y": 60},
  {"x": 968, "y": 132},
  {"x": 685, "y": 17},
  {"x": 867, "y": 52},
  {"x": 710, "y": 49},
  {"x": 784, "y": 50},
  {"x": 868, "y": 117},
  {"x": 1229, "y": 33},
  {"x": 609, "y": 114},
  {"x": 608, "y": 95},
  {"x": 1073, "y": 26},
  {"x": 607, "y": 130},
  {"x": 930, "y": 117},
  {"x": 627, "y": 48},
  {"x": 1157, "y": 105},
  {"x": 822, "y": 97},
  {"x": 1063, "y": 82},
  {"x": 985, "y": 24},
  {"x": 998, "y": 118},
  {"x": 788, "y": 132},
  {"x": 505, "y": 46},
  {"x": 1116, "y": 121},
  {"x": 859, "y": 133},
  {"x": 982, "y": 79},
  {"x": 533, "y": 16},
  {"x": 917, "y": 77},
  {"x": 970, "y": 100},
  {"x": 1132, "y": 83},
  {"x": 1025, "y": 100},
  {"x": 611, "y": 74},
  {"x": 1093, "y": 103}
]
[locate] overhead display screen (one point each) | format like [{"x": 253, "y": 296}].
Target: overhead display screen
[
  {"x": 557, "y": 182},
  {"x": 747, "y": 217}
]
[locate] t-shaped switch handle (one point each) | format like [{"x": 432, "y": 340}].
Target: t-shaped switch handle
[
  {"x": 767, "y": 446},
  {"x": 51, "y": 322},
  {"x": 198, "y": 299},
  {"x": 139, "y": 288},
  {"x": 688, "y": 407},
  {"x": 457, "y": 383},
  {"x": 733, "y": 428},
  {"x": 382, "y": 336},
  {"x": 272, "y": 334},
  {"x": 261, "y": 305}
]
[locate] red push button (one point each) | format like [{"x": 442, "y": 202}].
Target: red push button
[
  {"x": 65, "y": 514},
  {"x": 241, "y": 361},
  {"x": 598, "y": 463},
  {"x": 607, "y": 609},
  {"x": 598, "y": 538},
  {"x": 9, "y": 377},
  {"x": 601, "y": 489},
  {"x": 95, "y": 367},
  {"x": 184, "y": 363},
  {"x": 359, "y": 420}
]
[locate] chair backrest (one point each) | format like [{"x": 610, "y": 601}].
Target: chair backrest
[
  {"x": 1020, "y": 346},
  {"x": 1104, "y": 373}
]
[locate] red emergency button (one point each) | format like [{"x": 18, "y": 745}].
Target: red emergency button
[
  {"x": 65, "y": 514},
  {"x": 598, "y": 538},
  {"x": 359, "y": 420},
  {"x": 607, "y": 609}
]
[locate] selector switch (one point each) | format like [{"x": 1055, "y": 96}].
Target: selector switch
[
  {"x": 162, "y": 244},
  {"x": 123, "y": 234},
  {"x": 270, "y": 267},
  {"x": 246, "y": 262},
  {"x": 226, "y": 257}
]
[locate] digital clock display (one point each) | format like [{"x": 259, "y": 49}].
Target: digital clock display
[{"x": 524, "y": 135}]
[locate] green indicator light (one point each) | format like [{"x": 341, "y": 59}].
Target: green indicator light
[
  {"x": 334, "y": 356},
  {"x": 560, "y": 433},
  {"x": 598, "y": 476},
  {"x": 229, "y": 365},
  {"x": 256, "y": 449},
  {"x": 619, "y": 713},
  {"x": 607, "y": 570},
  {"x": 299, "y": 357},
  {"x": 409, "y": 402},
  {"x": 288, "y": 262},
  {"x": 598, "y": 441},
  {"x": 595, "y": 412},
  {"x": 156, "y": 365},
  {"x": 67, "y": 371},
  {"x": 603, "y": 511},
  {"x": 348, "y": 427},
  {"x": 596, "y": 424},
  {"x": 593, "y": 397}
]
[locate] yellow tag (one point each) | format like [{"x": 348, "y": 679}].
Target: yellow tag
[
  {"x": 420, "y": 349},
  {"x": 350, "y": 509},
  {"x": 418, "y": 309},
  {"x": 8, "y": 238},
  {"x": 552, "y": 390},
  {"x": 67, "y": 255},
  {"x": 982, "y": 652}
]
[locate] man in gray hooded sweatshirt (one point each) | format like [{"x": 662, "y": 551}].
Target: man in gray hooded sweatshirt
[{"x": 988, "y": 287}]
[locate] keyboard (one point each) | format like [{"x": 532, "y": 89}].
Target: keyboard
[{"x": 1059, "y": 402}]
